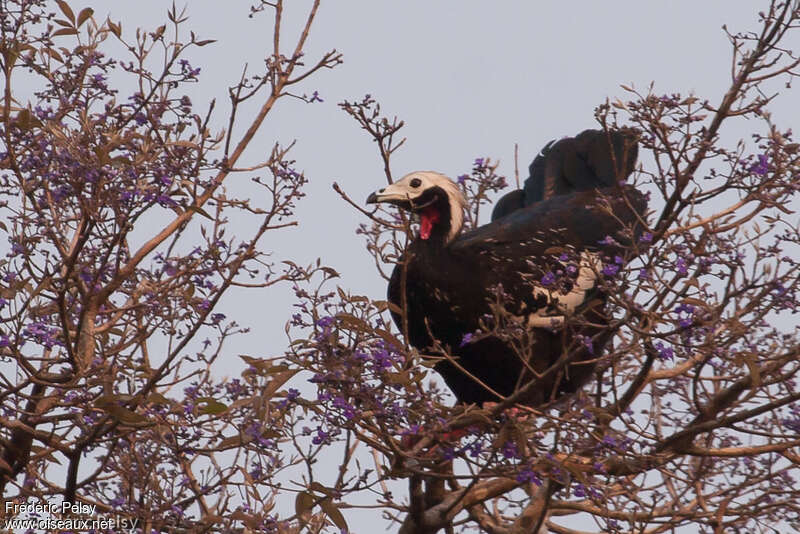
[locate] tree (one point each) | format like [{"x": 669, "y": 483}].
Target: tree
[{"x": 116, "y": 208}]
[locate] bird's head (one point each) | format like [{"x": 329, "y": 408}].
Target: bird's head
[{"x": 434, "y": 197}]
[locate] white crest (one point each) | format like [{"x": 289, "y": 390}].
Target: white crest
[{"x": 408, "y": 188}]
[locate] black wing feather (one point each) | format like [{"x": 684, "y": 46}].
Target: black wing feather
[
  {"x": 592, "y": 159},
  {"x": 580, "y": 220}
]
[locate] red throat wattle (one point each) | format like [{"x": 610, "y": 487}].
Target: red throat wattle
[{"x": 428, "y": 218}]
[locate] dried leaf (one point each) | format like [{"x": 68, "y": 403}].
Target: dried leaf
[
  {"x": 84, "y": 15},
  {"x": 116, "y": 29},
  {"x": 334, "y": 514},
  {"x": 276, "y": 383},
  {"x": 201, "y": 211},
  {"x": 187, "y": 144},
  {"x": 230, "y": 443},
  {"x": 65, "y": 31},
  {"x": 66, "y": 10},
  {"x": 353, "y": 323},
  {"x": 303, "y": 504}
]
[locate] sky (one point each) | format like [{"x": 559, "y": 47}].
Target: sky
[{"x": 469, "y": 78}]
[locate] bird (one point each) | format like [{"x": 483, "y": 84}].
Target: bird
[{"x": 516, "y": 307}]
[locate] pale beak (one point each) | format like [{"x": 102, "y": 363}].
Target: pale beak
[{"x": 392, "y": 194}]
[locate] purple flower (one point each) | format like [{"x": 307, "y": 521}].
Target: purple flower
[
  {"x": 325, "y": 322},
  {"x": 347, "y": 410},
  {"x": 548, "y": 279},
  {"x": 462, "y": 179},
  {"x": 510, "y": 450},
  {"x": 792, "y": 424},
  {"x": 527, "y": 475},
  {"x": 612, "y": 443},
  {"x": 762, "y": 167},
  {"x": 234, "y": 388},
  {"x": 466, "y": 339},
  {"x": 681, "y": 266},
  {"x": 664, "y": 352},
  {"x": 322, "y": 437},
  {"x": 610, "y": 270},
  {"x": 687, "y": 320},
  {"x": 256, "y": 472},
  {"x": 647, "y": 237},
  {"x": 587, "y": 342}
]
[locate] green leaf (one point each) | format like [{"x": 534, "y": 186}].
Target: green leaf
[
  {"x": 210, "y": 406},
  {"x": 126, "y": 416},
  {"x": 158, "y": 398},
  {"x": 104, "y": 402}
]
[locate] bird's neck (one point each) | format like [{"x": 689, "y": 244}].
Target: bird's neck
[{"x": 437, "y": 225}]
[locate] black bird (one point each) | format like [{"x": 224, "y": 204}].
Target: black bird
[
  {"x": 535, "y": 270},
  {"x": 591, "y": 159}
]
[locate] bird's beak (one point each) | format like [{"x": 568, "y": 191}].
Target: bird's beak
[{"x": 392, "y": 194}]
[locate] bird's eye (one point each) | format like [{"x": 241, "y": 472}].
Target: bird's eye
[{"x": 415, "y": 182}]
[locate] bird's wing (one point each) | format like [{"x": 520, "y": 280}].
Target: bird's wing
[
  {"x": 592, "y": 159},
  {"x": 572, "y": 234},
  {"x": 581, "y": 220}
]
